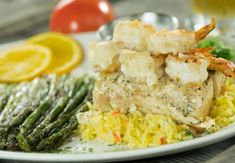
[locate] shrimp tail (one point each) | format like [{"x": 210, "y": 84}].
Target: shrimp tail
[
  {"x": 217, "y": 64},
  {"x": 204, "y": 31},
  {"x": 224, "y": 66}
]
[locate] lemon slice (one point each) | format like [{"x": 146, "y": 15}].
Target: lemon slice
[
  {"x": 23, "y": 62},
  {"x": 67, "y": 53}
]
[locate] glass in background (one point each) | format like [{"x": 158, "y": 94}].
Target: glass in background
[{"x": 222, "y": 10}]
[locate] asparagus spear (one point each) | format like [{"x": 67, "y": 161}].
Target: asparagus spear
[
  {"x": 28, "y": 96},
  {"x": 23, "y": 140},
  {"x": 34, "y": 138},
  {"x": 6, "y": 113},
  {"x": 62, "y": 128},
  {"x": 21, "y": 137},
  {"x": 47, "y": 122},
  {"x": 15, "y": 98},
  {"x": 33, "y": 117},
  {"x": 12, "y": 143},
  {"x": 3, "y": 140},
  {"x": 5, "y": 91},
  {"x": 56, "y": 125},
  {"x": 68, "y": 87},
  {"x": 58, "y": 138},
  {"x": 76, "y": 100},
  {"x": 62, "y": 133},
  {"x": 62, "y": 119},
  {"x": 24, "y": 98},
  {"x": 38, "y": 91},
  {"x": 81, "y": 107},
  {"x": 36, "y": 132}
]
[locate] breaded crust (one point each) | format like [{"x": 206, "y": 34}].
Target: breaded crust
[
  {"x": 133, "y": 34},
  {"x": 164, "y": 42}
]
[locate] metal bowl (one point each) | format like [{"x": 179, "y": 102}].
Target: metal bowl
[{"x": 158, "y": 20}]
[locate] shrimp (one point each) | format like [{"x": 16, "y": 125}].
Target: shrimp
[
  {"x": 104, "y": 56},
  {"x": 177, "y": 41},
  {"x": 132, "y": 34},
  {"x": 217, "y": 64},
  {"x": 165, "y": 42},
  {"x": 136, "y": 35},
  {"x": 187, "y": 69},
  {"x": 139, "y": 66}
]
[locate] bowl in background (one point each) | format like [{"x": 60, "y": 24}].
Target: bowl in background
[{"x": 158, "y": 20}]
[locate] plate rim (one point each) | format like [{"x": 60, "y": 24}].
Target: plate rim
[{"x": 167, "y": 149}]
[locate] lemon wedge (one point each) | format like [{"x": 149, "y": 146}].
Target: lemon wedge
[
  {"x": 67, "y": 53},
  {"x": 23, "y": 62}
]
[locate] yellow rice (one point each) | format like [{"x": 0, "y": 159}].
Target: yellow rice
[
  {"x": 223, "y": 107},
  {"x": 144, "y": 130}
]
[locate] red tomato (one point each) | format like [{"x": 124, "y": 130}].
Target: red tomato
[{"x": 71, "y": 16}]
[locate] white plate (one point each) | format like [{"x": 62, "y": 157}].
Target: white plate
[{"x": 120, "y": 155}]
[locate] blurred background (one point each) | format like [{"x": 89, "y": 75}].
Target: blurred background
[{"x": 20, "y": 19}]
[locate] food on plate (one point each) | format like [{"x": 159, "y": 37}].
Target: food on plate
[
  {"x": 23, "y": 62},
  {"x": 152, "y": 88},
  {"x": 156, "y": 81},
  {"x": 156, "y": 87},
  {"x": 136, "y": 36},
  {"x": 41, "y": 114},
  {"x": 80, "y": 16},
  {"x": 67, "y": 53}
]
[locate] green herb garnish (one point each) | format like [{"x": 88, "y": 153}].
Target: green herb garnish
[{"x": 220, "y": 50}]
